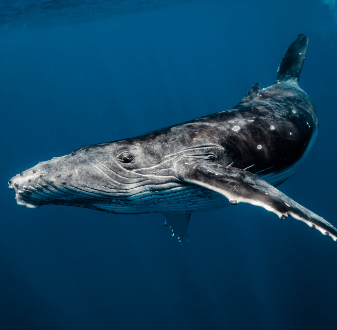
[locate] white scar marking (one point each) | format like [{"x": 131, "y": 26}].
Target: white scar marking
[
  {"x": 236, "y": 128},
  {"x": 251, "y": 120},
  {"x": 272, "y": 127},
  {"x": 248, "y": 167},
  {"x": 193, "y": 149},
  {"x": 259, "y": 146},
  {"x": 294, "y": 111}
]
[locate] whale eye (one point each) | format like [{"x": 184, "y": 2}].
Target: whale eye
[{"x": 125, "y": 157}]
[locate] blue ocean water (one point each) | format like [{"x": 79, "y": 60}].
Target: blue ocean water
[{"x": 74, "y": 73}]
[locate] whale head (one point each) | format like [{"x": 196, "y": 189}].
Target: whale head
[{"x": 88, "y": 177}]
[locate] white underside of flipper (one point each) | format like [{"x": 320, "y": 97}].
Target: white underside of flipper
[{"x": 239, "y": 186}]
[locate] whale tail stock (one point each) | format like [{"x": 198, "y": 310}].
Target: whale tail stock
[{"x": 293, "y": 59}]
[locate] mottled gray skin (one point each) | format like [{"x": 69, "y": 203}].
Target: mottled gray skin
[
  {"x": 196, "y": 165},
  {"x": 95, "y": 177}
]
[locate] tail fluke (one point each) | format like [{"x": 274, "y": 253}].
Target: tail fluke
[{"x": 293, "y": 59}]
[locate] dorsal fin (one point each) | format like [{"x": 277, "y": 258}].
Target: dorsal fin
[
  {"x": 251, "y": 94},
  {"x": 179, "y": 224},
  {"x": 293, "y": 59}
]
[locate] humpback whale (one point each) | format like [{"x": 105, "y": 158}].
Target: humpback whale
[{"x": 234, "y": 156}]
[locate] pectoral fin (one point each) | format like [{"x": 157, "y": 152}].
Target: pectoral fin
[
  {"x": 241, "y": 186},
  {"x": 179, "y": 224}
]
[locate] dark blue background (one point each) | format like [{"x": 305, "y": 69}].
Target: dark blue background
[{"x": 67, "y": 84}]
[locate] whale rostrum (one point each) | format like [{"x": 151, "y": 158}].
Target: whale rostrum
[{"x": 226, "y": 158}]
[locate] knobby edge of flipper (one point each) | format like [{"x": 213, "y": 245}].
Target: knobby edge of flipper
[{"x": 240, "y": 186}]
